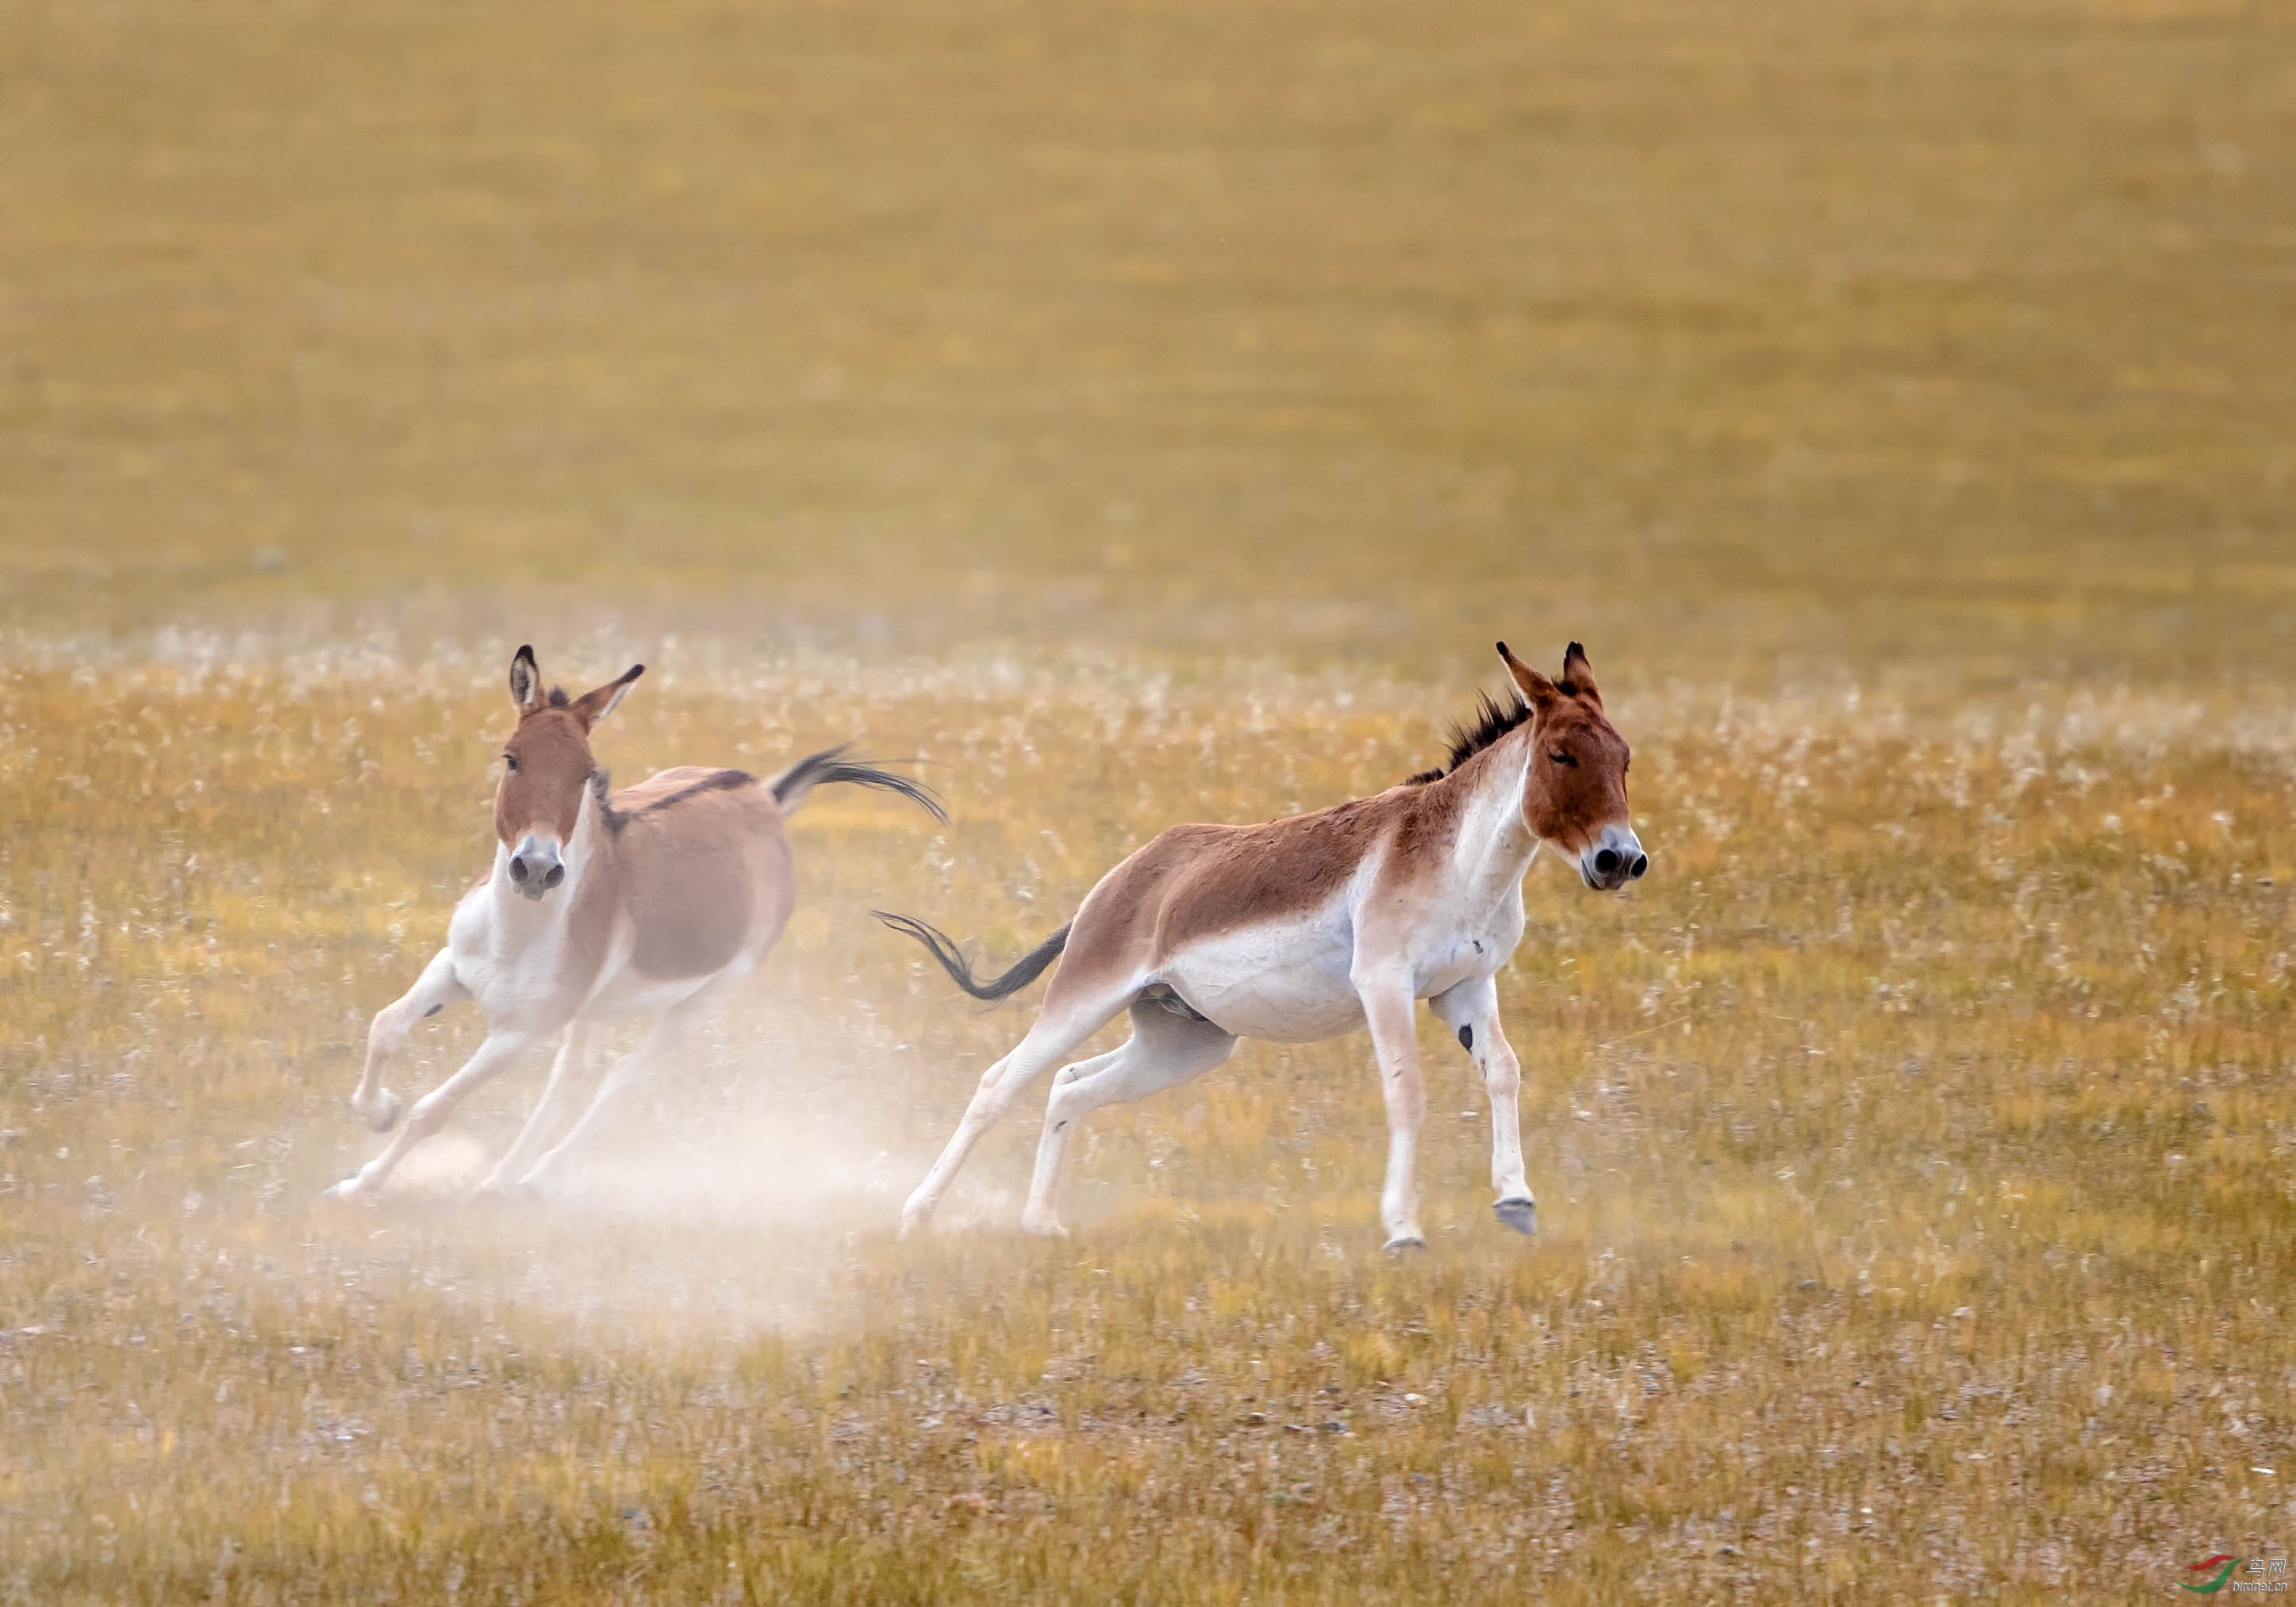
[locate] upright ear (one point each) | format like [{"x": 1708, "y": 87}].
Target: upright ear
[
  {"x": 1537, "y": 689},
  {"x": 600, "y": 702},
  {"x": 525, "y": 682},
  {"x": 1579, "y": 676}
]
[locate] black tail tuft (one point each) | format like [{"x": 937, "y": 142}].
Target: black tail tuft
[
  {"x": 831, "y": 765},
  {"x": 1032, "y": 964}
]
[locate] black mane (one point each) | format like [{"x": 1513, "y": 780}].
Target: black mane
[{"x": 1492, "y": 721}]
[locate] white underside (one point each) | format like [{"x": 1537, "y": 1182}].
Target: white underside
[
  {"x": 1286, "y": 981},
  {"x": 1293, "y": 981}
]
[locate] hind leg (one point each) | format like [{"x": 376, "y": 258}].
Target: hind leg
[
  {"x": 436, "y": 988},
  {"x": 573, "y": 1055},
  {"x": 1056, "y": 1033},
  {"x": 1164, "y": 1051},
  {"x": 670, "y": 1029}
]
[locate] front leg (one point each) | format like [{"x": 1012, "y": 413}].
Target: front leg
[
  {"x": 1472, "y": 1011},
  {"x": 436, "y": 988},
  {"x": 1387, "y": 1008},
  {"x": 430, "y": 1111}
]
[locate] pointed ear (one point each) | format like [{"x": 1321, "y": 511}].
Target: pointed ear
[
  {"x": 600, "y": 702},
  {"x": 1537, "y": 689},
  {"x": 1579, "y": 676},
  {"x": 525, "y": 681}
]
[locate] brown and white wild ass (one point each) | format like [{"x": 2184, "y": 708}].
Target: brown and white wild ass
[
  {"x": 1305, "y": 929},
  {"x": 653, "y": 900}
]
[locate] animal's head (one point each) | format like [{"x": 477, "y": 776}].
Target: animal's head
[
  {"x": 1575, "y": 794},
  {"x": 547, "y": 769}
]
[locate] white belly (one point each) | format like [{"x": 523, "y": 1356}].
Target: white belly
[
  {"x": 623, "y": 993},
  {"x": 1292, "y": 981},
  {"x": 1284, "y": 982}
]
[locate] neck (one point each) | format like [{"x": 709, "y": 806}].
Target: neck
[{"x": 1494, "y": 844}]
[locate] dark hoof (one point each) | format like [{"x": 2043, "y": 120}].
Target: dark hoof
[
  {"x": 1399, "y": 1247},
  {"x": 1521, "y": 1215}
]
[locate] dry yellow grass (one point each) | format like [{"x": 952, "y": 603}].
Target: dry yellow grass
[
  {"x": 1137, "y": 415},
  {"x": 1914, "y": 1157}
]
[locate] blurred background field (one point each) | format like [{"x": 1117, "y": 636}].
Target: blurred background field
[
  {"x": 1741, "y": 329},
  {"x": 1136, "y": 414}
]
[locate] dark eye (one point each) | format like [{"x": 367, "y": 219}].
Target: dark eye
[
  {"x": 1561, "y": 757},
  {"x": 510, "y": 761}
]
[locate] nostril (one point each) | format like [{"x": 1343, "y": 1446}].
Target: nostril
[
  {"x": 1606, "y": 862},
  {"x": 517, "y": 868},
  {"x": 557, "y": 874},
  {"x": 1641, "y": 863}
]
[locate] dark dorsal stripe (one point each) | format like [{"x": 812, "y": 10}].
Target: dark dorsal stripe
[
  {"x": 616, "y": 819},
  {"x": 1491, "y": 722}
]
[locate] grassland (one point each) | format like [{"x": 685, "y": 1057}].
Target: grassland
[
  {"x": 1914, "y": 1151},
  {"x": 1135, "y": 415}
]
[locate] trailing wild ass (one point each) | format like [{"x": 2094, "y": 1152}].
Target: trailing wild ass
[
  {"x": 1305, "y": 929},
  {"x": 653, "y": 900}
]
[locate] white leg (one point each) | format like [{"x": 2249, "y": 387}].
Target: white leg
[
  {"x": 1057, "y": 1031},
  {"x": 670, "y": 1029},
  {"x": 1164, "y": 1051},
  {"x": 435, "y": 990},
  {"x": 1387, "y": 1007},
  {"x": 430, "y": 1111},
  {"x": 1039, "y": 1215},
  {"x": 572, "y": 1056},
  {"x": 1472, "y": 1011}
]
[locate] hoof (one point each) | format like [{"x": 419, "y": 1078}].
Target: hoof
[
  {"x": 497, "y": 1191},
  {"x": 914, "y": 1219},
  {"x": 1521, "y": 1215},
  {"x": 1041, "y": 1227},
  {"x": 348, "y": 1189},
  {"x": 1403, "y": 1244},
  {"x": 385, "y": 1115}
]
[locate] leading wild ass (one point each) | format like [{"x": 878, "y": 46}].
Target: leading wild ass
[
  {"x": 653, "y": 900},
  {"x": 1306, "y": 929}
]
